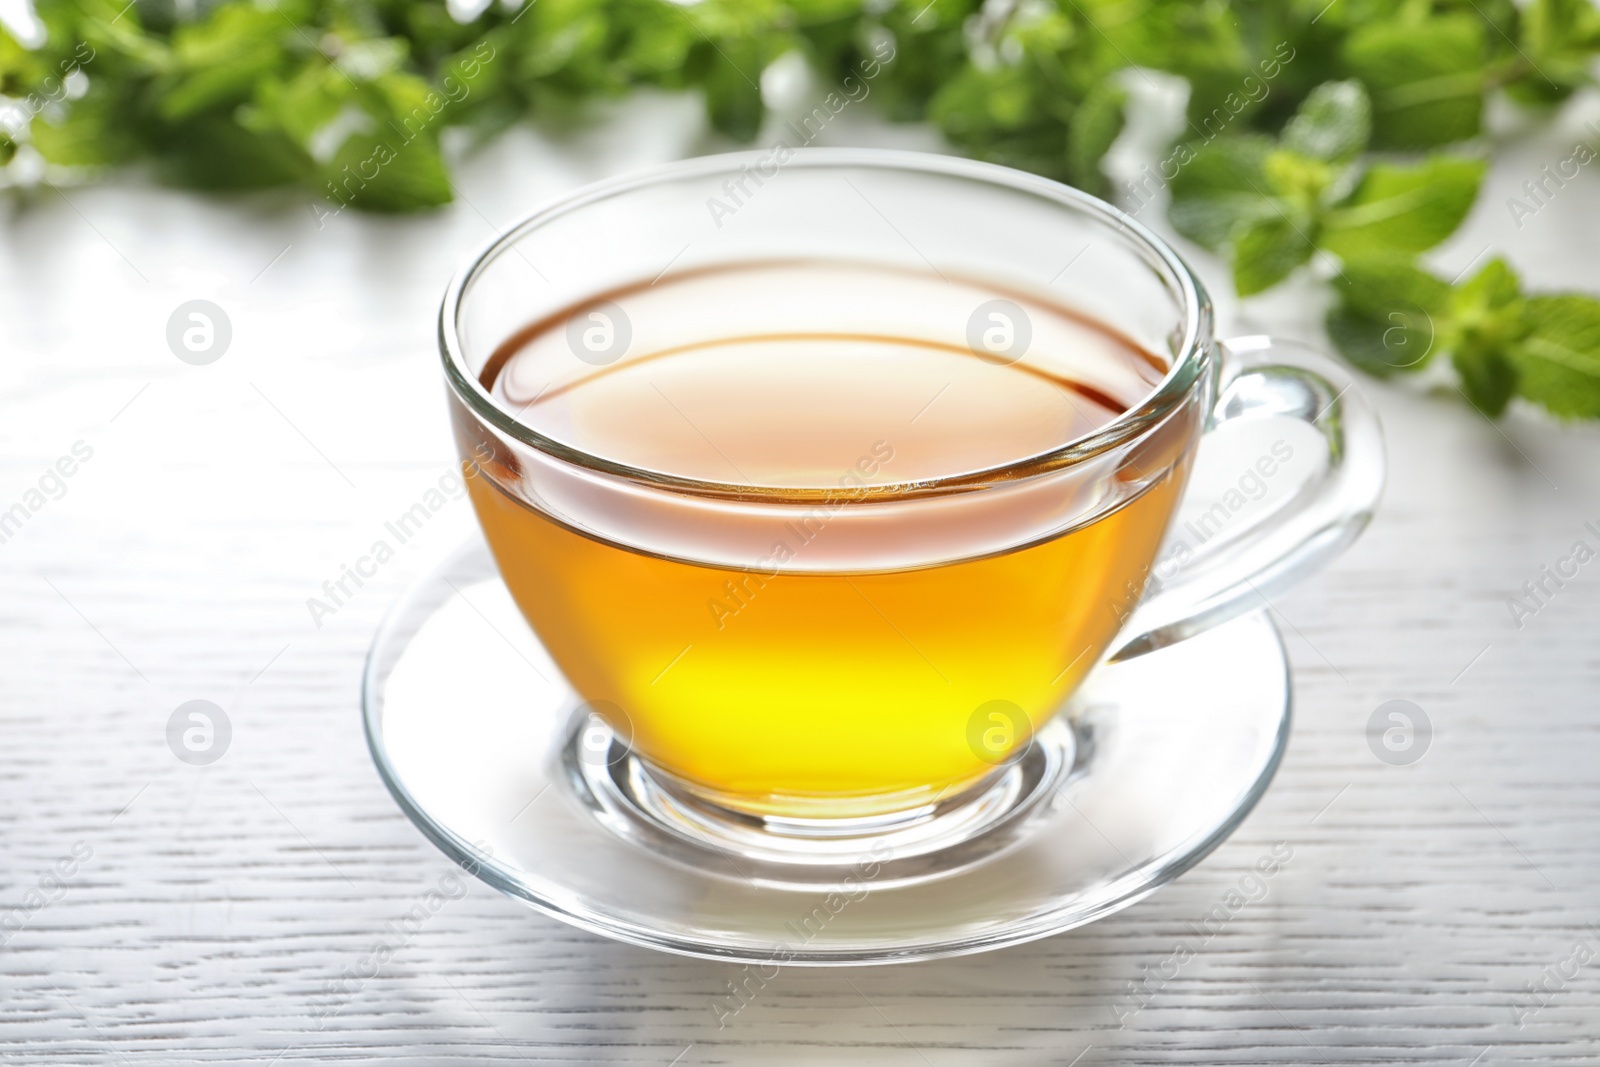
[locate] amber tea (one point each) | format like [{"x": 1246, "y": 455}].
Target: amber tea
[{"x": 799, "y": 673}]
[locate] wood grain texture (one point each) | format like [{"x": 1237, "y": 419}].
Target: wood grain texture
[{"x": 220, "y": 905}]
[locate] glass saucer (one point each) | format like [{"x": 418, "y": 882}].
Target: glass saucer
[{"x": 503, "y": 767}]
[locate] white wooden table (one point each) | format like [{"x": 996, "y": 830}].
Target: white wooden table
[{"x": 157, "y": 912}]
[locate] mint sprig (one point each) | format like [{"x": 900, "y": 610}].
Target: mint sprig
[
  {"x": 1395, "y": 318},
  {"x": 1311, "y": 127},
  {"x": 1273, "y": 204}
]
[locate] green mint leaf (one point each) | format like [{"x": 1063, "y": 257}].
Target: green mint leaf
[
  {"x": 731, "y": 83},
  {"x": 387, "y": 172},
  {"x": 1426, "y": 78},
  {"x": 929, "y": 50},
  {"x": 1035, "y": 94},
  {"x": 1399, "y": 342},
  {"x": 1094, "y": 127},
  {"x": 432, "y": 33},
  {"x": 1403, "y": 208},
  {"x": 117, "y": 36},
  {"x": 1389, "y": 316},
  {"x": 1487, "y": 294},
  {"x": 1220, "y": 187},
  {"x": 300, "y": 105},
  {"x": 1500, "y": 18},
  {"x": 94, "y": 133},
  {"x": 209, "y": 152},
  {"x": 220, "y": 60},
  {"x": 1556, "y": 51},
  {"x": 1558, "y": 361},
  {"x": 407, "y": 108},
  {"x": 19, "y": 67},
  {"x": 1487, "y": 320},
  {"x": 1236, "y": 68},
  {"x": 555, "y": 35},
  {"x": 474, "y": 79},
  {"x": 1333, "y": 124},
  {"x": 1300, "y": 179},
  {"x": 1488, "y": 378},
  {"x": 980, "y": 106},
  {"x": 1209, "y": 220},
  {"x": 1265, "y": 252},
  {"x": 1380, "y": 284},
  {"x": 658, "y": 41},
  {"x": 1149, "y": 35},
  {"x": 999, "y": 115},
  {"x": 1551, "y": 27}
]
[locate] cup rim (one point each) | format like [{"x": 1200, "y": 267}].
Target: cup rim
[{"x": 1161, "y": 401}]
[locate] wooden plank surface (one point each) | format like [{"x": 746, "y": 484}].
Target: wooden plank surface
[{"x": 157, "y": 912}]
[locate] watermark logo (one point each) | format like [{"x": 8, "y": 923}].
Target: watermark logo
[
  {"x": 1542, "y": 588},
  {"x": 1252, "y": 90},
  {"x": 199, "y": 732},
  {"x": 1183, "y": 548},
  {"x": 50, "y": 888},
  {"x": 604, "y": 733},
  {"x": 1539, "y": 192},
  {"x": 1399, "y": 733},
  {"x": 999, "y": 332},
  {"x": 398, "y": 933},
  {"x": 1538, "y": 993},
  {"x": 50, "y": 485},
  {"x": 339, "y": 591},
  {"x": 199, "y": 332},
  {"x": 737, "y": 191},
  {"x": 994, "y": 728},
  {"x": 68, "y": 84},
  {"x": 1251, "y": 889},
  {"x": 1407, "y": 342},
  {"x": 352, "y": 179},
  {"x": 854, "y": 886},
  {"x": 799, "y": 532},
  {"x": 600, "y": 333}
]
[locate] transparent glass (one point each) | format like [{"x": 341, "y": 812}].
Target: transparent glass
[
  {"x": 893, "y": 679},
  {"x": 1153, "y": 763}
]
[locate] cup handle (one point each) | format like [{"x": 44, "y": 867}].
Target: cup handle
[{"x": 1261, "y": 377}]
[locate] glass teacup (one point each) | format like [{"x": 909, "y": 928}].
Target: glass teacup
[{"x": 825, "y": 505}]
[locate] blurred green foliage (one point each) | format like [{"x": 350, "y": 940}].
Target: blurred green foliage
[{"x": 1289, "y": 100}]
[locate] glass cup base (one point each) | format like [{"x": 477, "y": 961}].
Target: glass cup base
[
  {"x": 1150, "y": 767},
  {"x": 648, "y": 802}
]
